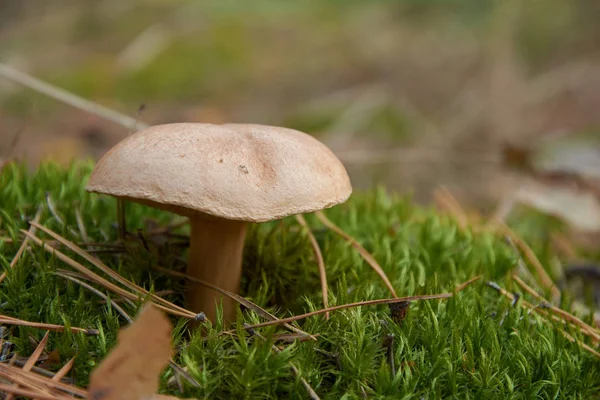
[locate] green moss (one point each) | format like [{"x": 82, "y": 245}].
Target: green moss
[{"x": 474, "y": 345}]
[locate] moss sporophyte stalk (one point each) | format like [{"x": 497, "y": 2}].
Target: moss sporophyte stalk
[{"x": 473, "y": 344}]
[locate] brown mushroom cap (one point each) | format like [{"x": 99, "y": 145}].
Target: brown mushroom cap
[{"x": 240, "y": 172}]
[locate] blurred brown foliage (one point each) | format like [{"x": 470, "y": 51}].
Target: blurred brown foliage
[{"x": 410, "y": 94}]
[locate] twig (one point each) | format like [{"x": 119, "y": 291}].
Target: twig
[
  {"x": 6, "y": 320},
  {"x": 363, "y": 252},
  {"x": 101, "y": 266},
  {"x": 36, "y": 353},
  {"x": 29, "y": 364},
  {"x": 42, "y": 380},
  {"x": 121, "y": 300},
  {"x": 463, "y": 285},
  {"x": 521, "y": 265},
  {"x": 544, "y": 278},
  {"x": 41, "y": 371},
  {"x": 172, "y": 363},
  {"x": 98, "y": 279},
  {"x": 530, "y": 306},
  {"x": 68, "y": 98},
  {"x": 320, "y": 261},
  {"x": 562, "y": 313},
  {"x": 81, "y": 226},
  {"x": 99, "y": 293},
  {"x": 25, "y": 393},
  {"x": 446, "y": 201},
  {"x": 460, "y": 287},
  {"x": 246, "y": 303},
  {"x": 32, "y": 230},
  {"x": 351, "y": 305},
  {"x": 64, "y": 370},
  {"x": 53, "y": 211}
]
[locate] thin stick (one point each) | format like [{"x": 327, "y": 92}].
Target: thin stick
[
  {"x": 68, "y": 98},
  {"x": 127, "y": 317},
  {"x": 530, "y": 306},
  {"x": 31, "y": 384},
  {"x": 463, "y": 285},
  {"x": 351, "y": 305},
  {"x": 32, "y": 230},
  {"x": 25, "y": 393},
  {"x": 99, "y": 293},
  {"x": 445, "y": 199},
  {"x": 53, "y": 211},
  {"x": 544, "y": 278},
  {"x": 108, "y": 271},
  {"x": 37, "y": 370},
  {"x": 363, "y": 252},
  {"x": 33, "y": 358},
  {"x": 565, "y": 315},
  {"x": 320, "y": 261},
  {"x": 81, "y": 226},
  {"x": 395, "y": 300},
  {"x": 246, "y": 303},
  {"x": 521, "y": 264},
  {"x": 50, "y": 327},
  {"x": 41, "y": 379},
  {"x": 64, "y": 370},
  {"x": 37, "y": 353},
  {"x": 98, "y": 279}
]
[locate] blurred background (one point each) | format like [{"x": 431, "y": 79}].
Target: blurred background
[{"x": 412, "y": 94}]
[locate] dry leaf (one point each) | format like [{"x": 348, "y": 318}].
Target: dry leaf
[{"x": 131, "y": 370}]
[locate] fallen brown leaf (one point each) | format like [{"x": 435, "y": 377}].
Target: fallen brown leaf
[{"x": 131, "y": 370}]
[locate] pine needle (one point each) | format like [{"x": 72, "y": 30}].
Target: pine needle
[
  {"x": 32, "y": 230},
  {"x": 38, "y": 379},
  {"x": 25, "y": 393},
  {"x": 587, "y": 329},
  {"x": 320, "y": 261},
  {"x": 68, "y": 97},
  {"x": 395, "y": 300},
  {"x": 101, "y": 281},
  {"x": 64, "y": 370},
  {"x": 100, "y": 294},
  {"x": 446, "y": 201},
  {"x": 363, "y": 252},
  {"x": 544, "y": 278},
  {"x": 530, "y": 306},
  {"x": 241, "y": 300},
  {"x": 6, "y": 320},
  {"x": 108, "y": 271}
]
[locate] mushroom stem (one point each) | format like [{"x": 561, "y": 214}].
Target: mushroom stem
[{"x": 215, "y": 256}]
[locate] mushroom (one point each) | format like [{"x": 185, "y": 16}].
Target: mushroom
[{"x": 222, "y": 177}]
